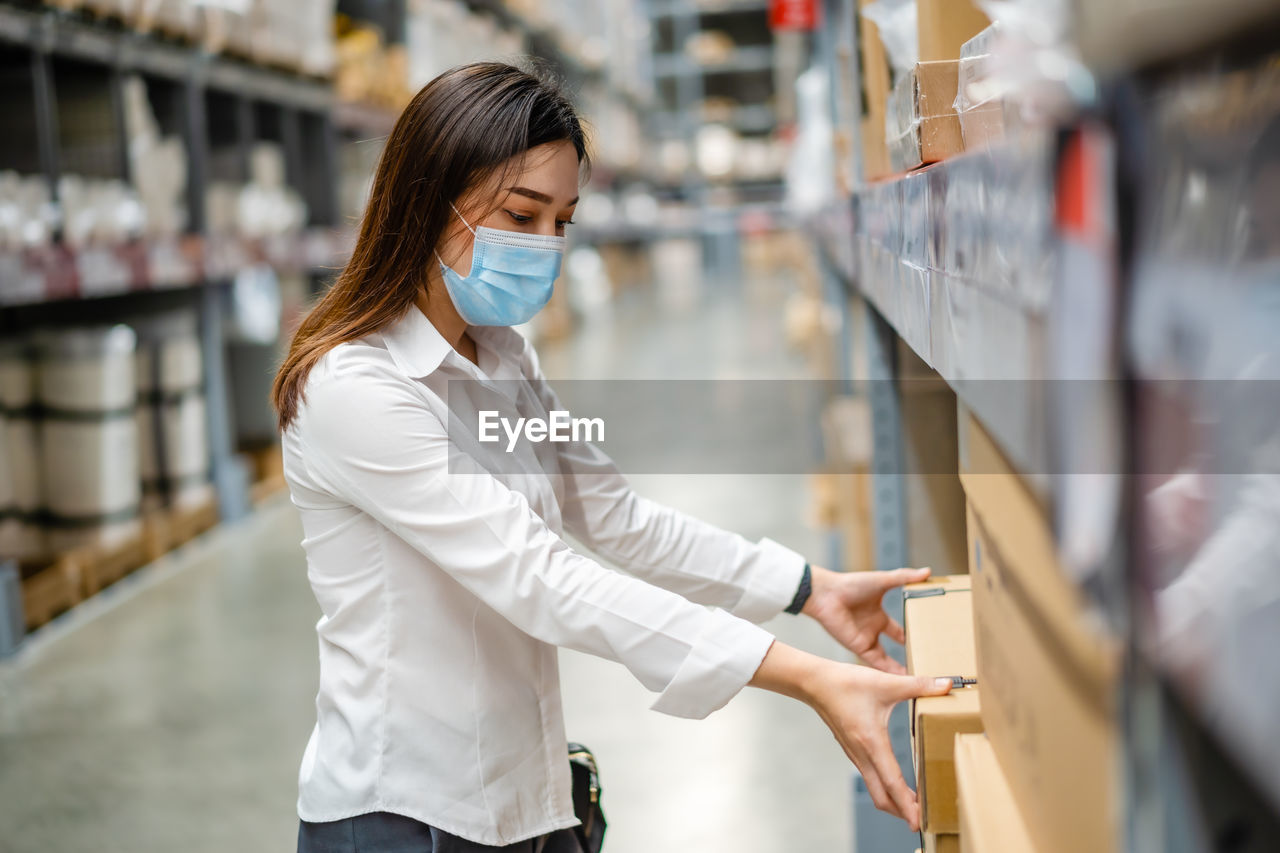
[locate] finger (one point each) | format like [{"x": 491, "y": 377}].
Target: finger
[
  {"x": 875, "y": 788},
  {"x": 898, "y": 577},
  {"x": 895, "y": 786},
  {"x": 877, "y": 658},
  {"x": 894, "y": 630},
  {"x": 923, "y": 685}
]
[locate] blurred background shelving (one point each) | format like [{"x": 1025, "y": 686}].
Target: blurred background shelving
[{"x": 1042, "y": 232}]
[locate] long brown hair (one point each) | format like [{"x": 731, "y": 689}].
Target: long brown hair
[{"x": 454, "y": 134}]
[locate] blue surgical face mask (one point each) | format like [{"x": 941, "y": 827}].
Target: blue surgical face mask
[{"x": 512, "y": 276}]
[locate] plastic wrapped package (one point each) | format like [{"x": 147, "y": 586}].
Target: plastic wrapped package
[
  {"x": 266, "y": 206},
  {"x": 981, "y": 110},
  {"x": 913, "y": 266},
  {"x": 88, "y": 436},
  {"x": 921, "y": 125},
  {"x": 28, "y": 215},
  {"x": 896, "y": 22},
  {"x": 158, "y": 164},
  {"x": 960, "y": 258}
]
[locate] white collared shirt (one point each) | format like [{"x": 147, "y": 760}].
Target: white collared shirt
[{"x": 446, "y": 587}]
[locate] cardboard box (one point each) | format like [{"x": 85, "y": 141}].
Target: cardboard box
[
  {"x": 1048, "y": 670},
  {"x": 982, "y": 115},
  {"x": 922, "y": 125},
  {"x": 989, "y": 818},
  {"x": 941, "y": 843},
  {"x": 943, "y": 26},
  {"x": 1018, "y": 522},
  {"x": 876, "y": 84},
  {"x": 938, "y": 617}
]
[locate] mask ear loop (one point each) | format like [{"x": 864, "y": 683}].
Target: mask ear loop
[{"x": 464, "y": 222}]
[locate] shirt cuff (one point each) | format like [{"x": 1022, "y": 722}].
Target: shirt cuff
[
  {"x": 723, "y": 659},
  {"x": 774, "y": 579}
]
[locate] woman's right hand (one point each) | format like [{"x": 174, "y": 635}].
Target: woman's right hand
[{"x": 854, "y": 701}]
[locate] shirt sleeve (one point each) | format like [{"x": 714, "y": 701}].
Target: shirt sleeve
[
  {"x": 701, "y": 562},
  {"x": 371, "y": 439}
]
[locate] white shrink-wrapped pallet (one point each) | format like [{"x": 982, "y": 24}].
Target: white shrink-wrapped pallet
[
  {"x": 173, "y": 446},
  {"x": 88, "y": 436}
]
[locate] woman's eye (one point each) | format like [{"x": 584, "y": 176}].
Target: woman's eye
[
  {"x": 561, "y": 223},
  {"x": 519, "y": 217}
]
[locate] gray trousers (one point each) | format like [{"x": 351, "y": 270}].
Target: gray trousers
[{"x": 384, "y": 832}]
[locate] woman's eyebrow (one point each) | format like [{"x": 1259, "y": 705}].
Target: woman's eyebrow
[{"x": 537, "y": 196}]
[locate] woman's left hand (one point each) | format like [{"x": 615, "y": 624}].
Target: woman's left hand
[{"x": 848, "y": 605}]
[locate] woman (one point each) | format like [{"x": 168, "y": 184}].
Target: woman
[{"x": 438, "y": 560}]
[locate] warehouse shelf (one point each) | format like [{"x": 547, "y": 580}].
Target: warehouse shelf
[
  {"x": 61, "y": 36},
  {"x": 362, "y": 118},
  {"x": 747, "y": 119},
  {"x": 971, "y": 302},
  {"x": 741, "y": 60},
  {"x": 545, "y": 42},
  {"x": 58, "y": 273},
  {"x": 675, "y": 8}
]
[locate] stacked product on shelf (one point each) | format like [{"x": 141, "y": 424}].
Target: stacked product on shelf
[
  {"x": 985, "y": 115},
  {"x": 921, "y": 126},
  {"x": 911, "y": 115},
  {"x": 721, "y": 80},
  {"x": 85, "y": 388},
  {"x": 262, "y": 207},
  {"x": 27, "y": 214},
  {"x": 158, "y": 164},
  {"x": 104, "y": 452},
  {"x": 441, "y": 35},
  {"x": 292, "y": 34},
  {"x": 173, "y": 447},
  {"x": 368, "y": 71},
  {"x": 938, "y": 618},
  {"x": 989, "y": 818},
  {"x": 1048, "y": 667}
]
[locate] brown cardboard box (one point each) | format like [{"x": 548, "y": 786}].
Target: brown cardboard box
[
  {"x": 944, "y": 25},
  {"x": 1048, "y": 672},
  {"x": 989, "y": 818},
  {"x": 941, "y": 843},
  {"x": 876, "y": 84},
  {"x": 934, "y": 497},
  {"x": 1019, "y": 524},
  {"x": 922, "y": 125},
  {"x": 875, "y": 151},
  {"x": 938, "y": 616}
]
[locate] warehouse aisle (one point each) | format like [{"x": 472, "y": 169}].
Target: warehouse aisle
[{"x": 171, "y": 712}]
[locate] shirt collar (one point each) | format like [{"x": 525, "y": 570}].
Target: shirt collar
[{"x": 419, "y": 349}]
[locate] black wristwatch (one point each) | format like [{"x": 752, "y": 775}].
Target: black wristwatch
[{"x": 802, "y": 594}]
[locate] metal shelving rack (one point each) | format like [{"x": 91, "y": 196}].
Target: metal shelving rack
[
  {"x": 185, "y": 82},
  {"x": 893, "y": 254},
  {"x": 683, "y": 83}
]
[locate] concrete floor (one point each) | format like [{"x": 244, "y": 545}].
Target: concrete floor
[{"x": 170, "y": 713}]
